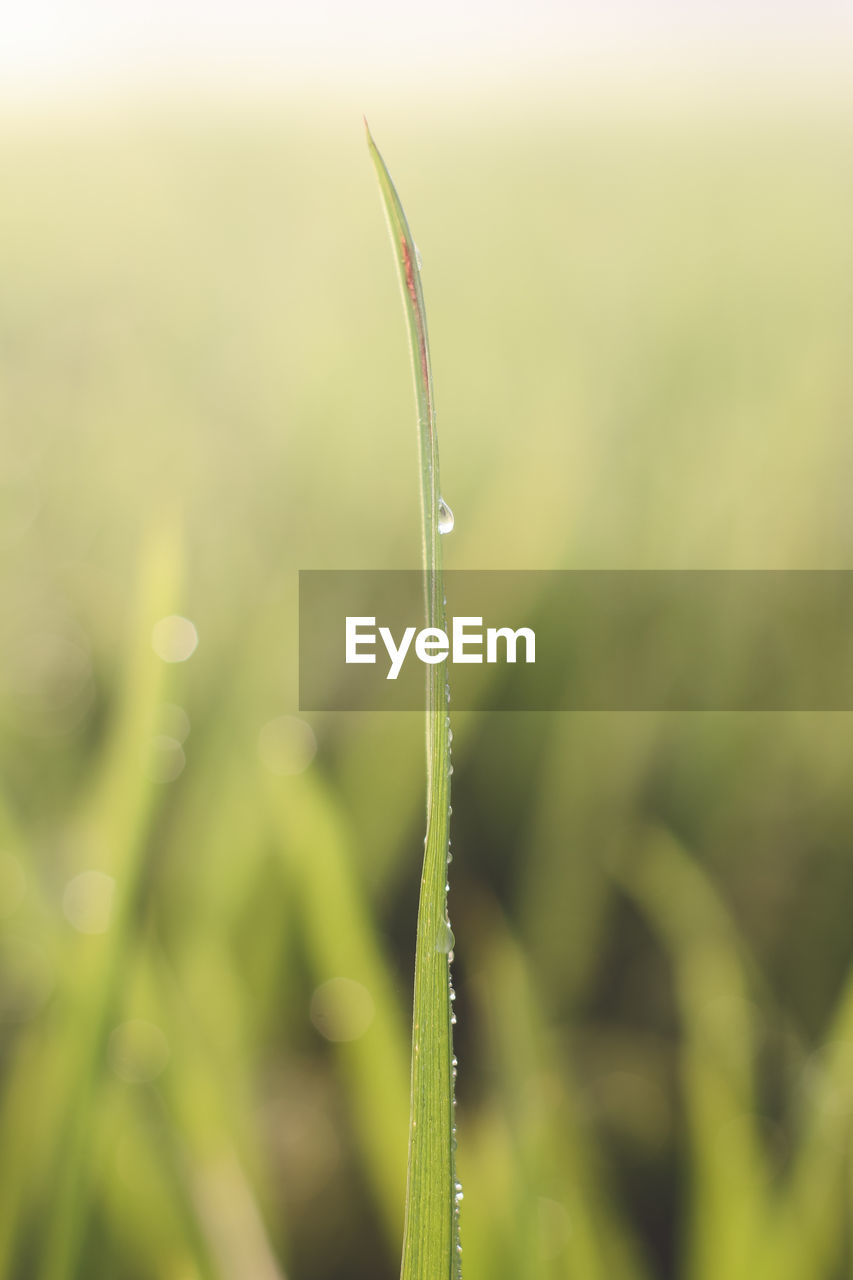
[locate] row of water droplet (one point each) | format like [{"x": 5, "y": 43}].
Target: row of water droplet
[
  {"x": 447, "y": 944},
  {"x": 445, "y": 940}
]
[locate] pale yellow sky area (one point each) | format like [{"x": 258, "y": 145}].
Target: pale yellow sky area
[{"x": 57, "y": 47}]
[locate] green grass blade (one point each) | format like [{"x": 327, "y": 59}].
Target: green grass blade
[
  {"x": 542, "y": 1208},
  {"x": 340, "y": 940},
  {"x": 809, "y": 1223},
  {"x": 116, "y": 822},
  {"x": 730, "y": 1177},
  {"x": 430, "y": 1235}
]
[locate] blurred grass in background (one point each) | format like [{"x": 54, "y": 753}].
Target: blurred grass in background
[{"x": 642, "y": 330}]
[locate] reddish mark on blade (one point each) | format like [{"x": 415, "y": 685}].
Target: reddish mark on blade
[
  {"x": 410, "y": 275},
  {"x": 413, "y": 294}
]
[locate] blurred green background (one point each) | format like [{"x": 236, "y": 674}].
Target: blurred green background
[{"x": 642, "y": 323}]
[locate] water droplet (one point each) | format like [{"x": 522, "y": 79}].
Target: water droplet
[
  {"x": 449, "y": 770},
  {"x": 418, "y": 259},
  {"x": 445, "y": 941},
  {"x": 445, "y": 517}
]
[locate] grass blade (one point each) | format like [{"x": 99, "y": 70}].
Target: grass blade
[
  {"x": 431, "y": 1234},
  {"x": 730, "y": 1175},
  {"x": 339, "y": 940},
  {"x": 116, "y": 822}
]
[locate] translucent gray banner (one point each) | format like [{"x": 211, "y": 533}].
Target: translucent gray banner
[{"x": 617, "y": 640}]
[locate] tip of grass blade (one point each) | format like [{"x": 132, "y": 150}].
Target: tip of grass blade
[{"x": 371, "y": 144}]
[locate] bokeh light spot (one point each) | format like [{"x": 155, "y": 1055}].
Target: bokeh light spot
[
  {"x": 164, "y": 759},
  {"x": 173, "y": 722},
  {"x": 174, "y": 638},
  {"x": 87, "y": 902},
  {"x": 342, "y": 1009},
  {"x": 287, "y": 745}
]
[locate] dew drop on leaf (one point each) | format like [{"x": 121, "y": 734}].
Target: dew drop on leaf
[{"x": 445, "y": 941}]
